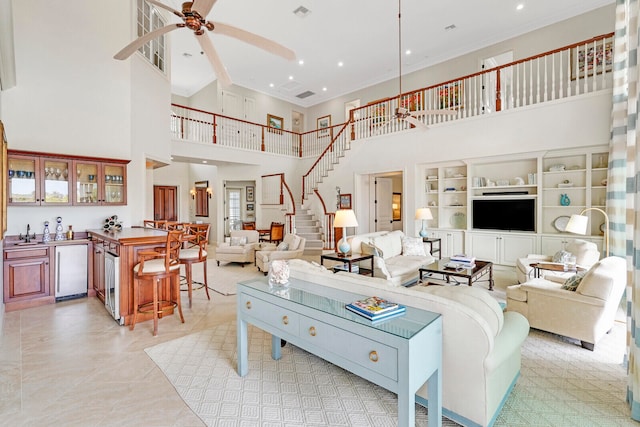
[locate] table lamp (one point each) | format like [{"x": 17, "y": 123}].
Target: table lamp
[
  {"x": 578, "y": 225},
  {"x": 423, "y": 214},
  {"x": 344, "y": 218}
]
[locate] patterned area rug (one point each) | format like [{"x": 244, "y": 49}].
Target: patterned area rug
[{"x": 561, "y": 384}]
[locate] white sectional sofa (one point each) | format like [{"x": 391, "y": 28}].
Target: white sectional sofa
[
  {"x": 481, "y": 344},
  {"x": 393, "y": 265}
]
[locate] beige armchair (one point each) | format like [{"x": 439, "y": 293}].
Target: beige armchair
[
  {"x": 585, "y": 314},
  {"x": 586, "y": 254},
  {"x": 295, "y": 248},
  {"x": 240, "y": 247}
]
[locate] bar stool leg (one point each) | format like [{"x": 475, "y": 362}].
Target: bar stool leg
[
  {"x": 189, "y": 273},
  {"x": 135, "y": 305},
  {"x": 176, "y": 287},
  {"x": 206, "y": 284},
  {"x": 156, "y": 307}
]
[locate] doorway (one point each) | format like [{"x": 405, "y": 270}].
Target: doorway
[
  {"x": 379, "y": 190},
  {"x": 165, "y": 202},
  {"x": 489, "y": 82}
]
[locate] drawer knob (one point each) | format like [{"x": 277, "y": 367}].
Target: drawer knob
[
  {"x": 248, "y": 305},
  {"x": 312, "y": 331},
  {"x": 285, "y": 320},
  {"x": 373, "y": 356}
]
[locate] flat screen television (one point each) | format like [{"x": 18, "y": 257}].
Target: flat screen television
[{"x": 504, "y": 214}]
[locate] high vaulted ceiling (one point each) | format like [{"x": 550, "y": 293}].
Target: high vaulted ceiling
[{"x": 362, "y": 34}]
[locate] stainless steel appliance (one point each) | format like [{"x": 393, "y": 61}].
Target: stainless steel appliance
[
  {"x": 112, "y": 285},
  {"x": 71, "y": 272}
]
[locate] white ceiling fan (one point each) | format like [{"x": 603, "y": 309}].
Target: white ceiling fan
[
  {"x": 401, "y": 112},
  {"x": 193, "y": 16}
]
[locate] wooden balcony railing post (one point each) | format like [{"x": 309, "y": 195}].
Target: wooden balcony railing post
[
  {"x": 498, "y": 93},
  {"x": 299, "y": 145},
  {"x": 262, "y": 137},
  {"x": 182, "y": 127},
  {"x": 215, "y": 128}
]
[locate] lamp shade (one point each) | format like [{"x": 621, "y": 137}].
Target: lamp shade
[
  {"x": 577, "y": 224},
  {"x": 423, "y": 213},
  {"x": 345, "y": 218}
]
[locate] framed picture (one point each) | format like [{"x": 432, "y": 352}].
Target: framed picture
[
  {"x": 275, "y": 123},
  {"x": 396, "y": 206},
  {"x": 345, "y": 201},
  {"x": 589, "y": 60},
  {"x": 323, "y": 126},
  {"x": 412, "y": 102},
  {"x": 250, "y": 207},
  {"x": 250, "y": 194},
  {"x": 3, "y": 182},
  {"x": 377, "y": 112},
  {"x": 450, "y": 96}
]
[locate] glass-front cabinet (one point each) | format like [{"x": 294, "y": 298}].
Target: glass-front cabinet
[{"x": 36, "y": 179}]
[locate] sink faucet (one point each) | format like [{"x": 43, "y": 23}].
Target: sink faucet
[{"x": 29, "y": 236}]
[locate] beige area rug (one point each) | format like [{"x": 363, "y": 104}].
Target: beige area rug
[
  {"x": 222, "y": 279},
  {"x": 561, "y": 384}
]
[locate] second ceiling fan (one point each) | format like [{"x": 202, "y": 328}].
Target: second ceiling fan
[{"x": 193, "y": 16}]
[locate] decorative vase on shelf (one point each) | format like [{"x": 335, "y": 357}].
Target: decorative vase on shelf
[
  {"x": 59, "y": 230},
  {"x": 46, "y": 234},
  {"x": 564, "y": 200}
]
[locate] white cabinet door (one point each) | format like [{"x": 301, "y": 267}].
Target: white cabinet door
[
  {"x": 484, "y": 246},
  {"x": 514, "y": 246},
  {"x": 451, "y": 242}
]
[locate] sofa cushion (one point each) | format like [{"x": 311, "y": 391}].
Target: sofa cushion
[
  {"x": 401, "y": 265},
  {"x": 283, "y": 246},
  {"x": 413, "y": 246},
  {"x": 600, "y": 279},
  {"x": 390, "y": 244}
]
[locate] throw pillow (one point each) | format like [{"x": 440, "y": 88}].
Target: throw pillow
[
  {"x": 413, "y": 246},
  {"x": 368, "y": 249},
  {"x": 560, "y": 256},
  {"x": 238, "y": 241},
  {"x": 571, "y": 284},
  {"x": 283, "y": 246}
]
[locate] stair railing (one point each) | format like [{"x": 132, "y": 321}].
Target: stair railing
[{"x": 328, "y": 232}]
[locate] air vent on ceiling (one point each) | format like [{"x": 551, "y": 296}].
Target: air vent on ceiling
[
  {"x": 450, "y": 27},
  {"x": 305, "y": 94},
  {"x": 301, "y": 12}
]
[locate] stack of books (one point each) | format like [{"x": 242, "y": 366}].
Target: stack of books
[
  {"x": 464, "y": 261},
  {"x": 345, "y": 267},
  {"x": 376, "y": 309}
]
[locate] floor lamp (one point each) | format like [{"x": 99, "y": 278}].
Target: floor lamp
[
  {"x": 344, "y": 218},
  {"x": 424, "y": 214},
  {"x": 578, "y": 225}
]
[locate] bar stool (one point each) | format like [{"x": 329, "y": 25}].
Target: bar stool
[
  {"x": 156, "y": 266},
  {"x": 197, "y": 239}
]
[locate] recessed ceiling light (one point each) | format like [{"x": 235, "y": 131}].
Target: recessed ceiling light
[
  {"x": 324, "y": 89},
  {"x": 204, "y": 161},
  {"x": 301, "y": 62},
  {"x": 340, "y": 64},
  {"x": 270, "y": 84},
  {"x": 290, "y": 77},
  {"x": 407, "y": 52},
  {"x": 520, "y": 6}
]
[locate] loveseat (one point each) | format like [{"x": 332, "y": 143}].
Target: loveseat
[
  {"x": 240, "y": 247},
  {"x": 586, "y": 254},
  {"x": 396, "y": 257},
  {"x": 585, "y": 314},
  {"x": 481, "y": 344}
]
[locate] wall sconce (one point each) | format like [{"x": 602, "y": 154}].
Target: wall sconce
[
  {"x": 193, "y": 193},
  {"x": 209, "y": 192}
]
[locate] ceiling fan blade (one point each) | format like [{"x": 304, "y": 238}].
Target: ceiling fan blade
[
  {"x": 218, "y": 67},
  {"x": 417, "y": 123},
  {"x": 165, "y": 7},
  {"x": 134, "y": 45},
  {"x": 443, "y": 112},
  {"x": 255, "y": 40},
  {"x": 203, "y": 7}
]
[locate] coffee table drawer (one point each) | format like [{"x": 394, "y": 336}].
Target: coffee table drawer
[{"x": 367, "y": 353}]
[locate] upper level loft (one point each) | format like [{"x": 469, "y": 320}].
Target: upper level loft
[{"x": 579, "y": 69}]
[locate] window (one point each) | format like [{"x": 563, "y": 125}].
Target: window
[
  {"x": 233, "y": 210},
  {"x": 149, "y": 20}
]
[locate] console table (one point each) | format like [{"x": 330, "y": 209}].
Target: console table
[{"x": 400, "y": 354}]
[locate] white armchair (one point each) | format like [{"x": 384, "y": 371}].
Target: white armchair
[
  {"x": 586, "y": 254},
  {"x": 295, "y": 248},
  {"x": 240, "y": 247},
  {"x": 585, "y": 314}
]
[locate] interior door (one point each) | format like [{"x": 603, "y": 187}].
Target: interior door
[
  {"x": 233, "y": 214},
  {"x": 384, "y": 211},
  {"x": 165, "y": 202}
]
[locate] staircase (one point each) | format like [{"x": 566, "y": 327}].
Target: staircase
[
  {"x": 328, "y": 159},
  {"x": 308, "y": 226}
]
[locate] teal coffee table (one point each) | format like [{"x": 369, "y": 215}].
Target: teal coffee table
[{"x": 399, "y": 354}]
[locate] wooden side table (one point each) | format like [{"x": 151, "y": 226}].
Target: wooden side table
[
  {"x": 548, "y": 266},
  {"x": 350, "y": 260}
]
